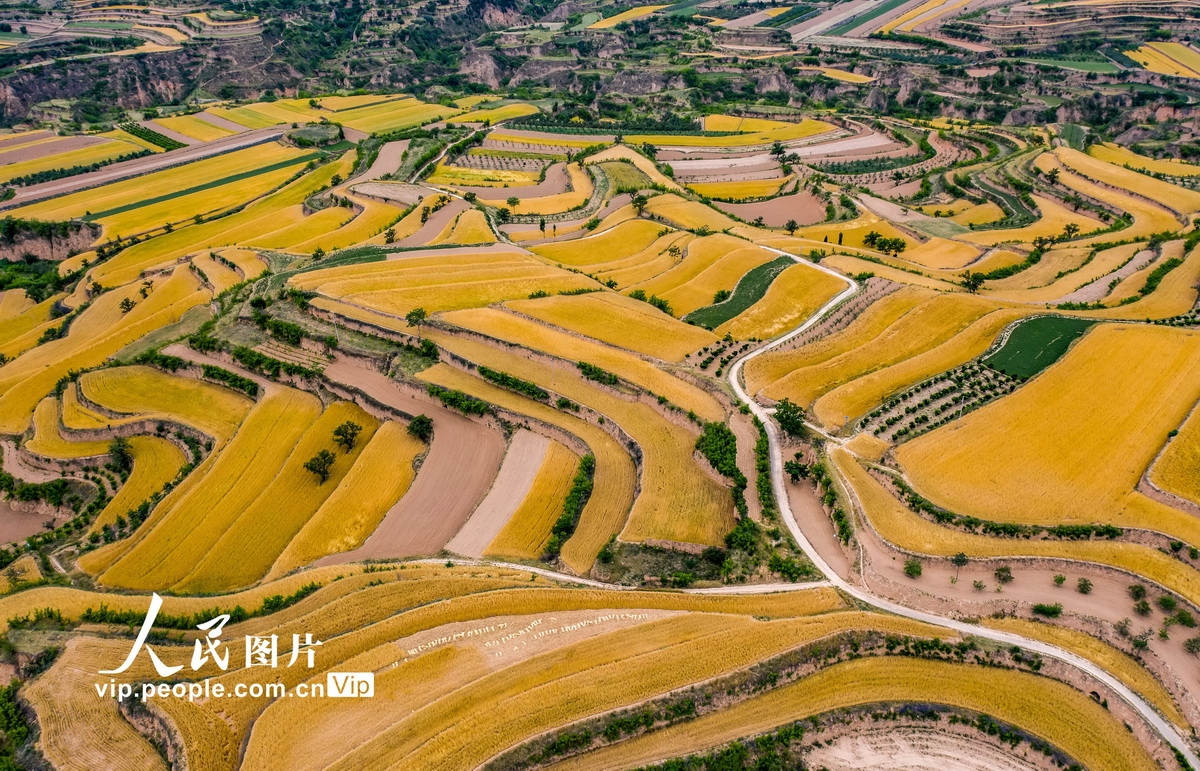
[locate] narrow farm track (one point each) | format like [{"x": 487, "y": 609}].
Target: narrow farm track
[{"x": 462, "y": 461}]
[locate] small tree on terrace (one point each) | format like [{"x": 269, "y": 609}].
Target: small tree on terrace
[
  {"x": 639, "y": 202},
  {"x": 795, "y": 469},
  {"x": 791, "y": 226},
  {"x": 790, "y": 417},
  {"x": 121, "y": 453},
  {"x": 421, "y": 427},
  {"x": 959, "y": 561},
  {"x": 513, "y": 201},
  {"x": 390, "y": 235},
  {"x": 1070, "y": 231},
  {"x": 346, "y": 434},
  {"x": 415, "y": 318},
  {"x": 321, "y": 464},
  {"x": 972, "y": 281}
]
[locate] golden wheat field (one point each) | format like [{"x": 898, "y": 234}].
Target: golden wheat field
[
  {"x": 156, "y": 461},
  {"x": 525, "y": 534},
  {"x": 795, "y": 294}
]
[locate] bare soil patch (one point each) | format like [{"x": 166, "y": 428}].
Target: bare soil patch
[
  {"x": 64, "y": 145},
  {"x": 913, "y": 748},
  {"x": 804, "y": 207}
]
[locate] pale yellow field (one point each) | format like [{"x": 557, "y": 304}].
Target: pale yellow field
[
  {"x": 941, "y": 254},
  {"x": 152, "y": 394},
  {"x": 525, "y": 534},
  {"x": 14, "y": 302},
  {"x": 738, "y": 123},
  {"x": 245, "y": 116},
  {"x": 444, "y": 174},
  {"x": 852, "y": 265},
  {"x": 581, "y": 190},
  {"x": 1175, "y": 295},
  {"x": 99, "y": 332},
  {"x": 662, "y": 255},
  {"x": 867, "y": 446},
  {"x": 1054, "y": 218},
  {"x": 394, "y": 116},
  {"x": 624, "y": 239},
  {"x": 48, "y": 440},
  {"x": 1156, "y": 61},
  {"x": 22, "y": 569},
  {"x": 978, "y": 214},
  {"x": 194, "y": 127},
  {"x": 710, "y": 264},
  {"x": 921, "y": 329},
  {"x": 1183, "y": 54},
  {"x": 21, "y": 332},
  {"x": 615, "y": 476},
  {"x": 768, "y": 368},
  {"x": 155, "y": 462},
  {"x": 1178, "y": 469},
  {"x": 312, "y": 227},
  {"x": 218, "y": 275},
  {"x": 736, "y": 191},
  {"x": 1123, "y": 156},
  {"x": 1120, "y": 664},
  {"x": 620, "y": 321},
  {"x": 375, "y": 218},
  {"x": 1059, "y": 714},
  {"x": 378, "y": 479},
  {"x": 793, "y": 296},
  {"x": 495, "y": 115},
  {"x": 1103, "y": 263},
  {"x": 863, "y": 394},
  {"x": 852, "y": 232},
  {"x": 671, "y": 481},
  {"x": 1111, "y": 400},
  {"x": 187, "y": 524},
  {"x": 470, "y": 227},
  {"x": 248, "y": 263},
  {"x": 632, "y": 13},
  {"x": 1179, "y": 199},
  {"x": 571, "y": 348}
]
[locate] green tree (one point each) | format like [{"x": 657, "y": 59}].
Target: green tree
[
  {"x": 127, "y": 305},
  {"x": 959, "y": 561},
  {"x": 421, "y": 427},
  {"x": 121, "y": 453},
  {"x": 795, "y": 470},
  {"x": 790, "y": 417},
  {"x": 415, "y": 318},
  {"x": 972, "y": 281},
  {"x": 791, "y": 226},
  {"x": 639, "y": 202},
  {"x": 513, "y": 201},
  {"x": 389, "y": 235},
  {"x": 347, "y": 434},
  {"x": 871, "y": 238},
  {"x": 1084, "y": 586},
  {"x": 321, "y": 464}
]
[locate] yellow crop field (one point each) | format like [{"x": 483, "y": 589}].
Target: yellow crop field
[
  {"x": 1175, "y": 295},
  {"x": 739, "y": 190},
  {"x": 912, "y": 15},
  {"x": 159, "y": 183},
  {"x": 394, "y": 116},
  {"x": 793, "y": 296},
  {"x": 244, "y": 550},
  {"x": 900, "y": 526},
  {"x": 1054, "y": 711},
  {"x": 317, "y": 226},
  {"x": 1123, "y": 156},
  {"x": 21, "y": 332},
  {"x": 1100, "y": 265},
  {"x": 571, "y": 348},
  {"x": 978, "y": 214},
  {"x": 709, "y": 264},
  {"x": 375, "y": 218},
  {"x": 470, "y": 227},
  {"x": 260, "y": 216},
  {"x": 662, "y": 255},
  {"x": 150, "y": 393},
  {"x": 632, "y": 13},
  {"x": 679, "y": 501},
  {"x": 1176, "y": 469},
  {"x": 1147, "y": 217},
  {"x": 378, "y": 479},
  {"x": 1179, "y": 199},
  {"x": 563, "y": 141},
  {"x": 867, "y": 446},
  {"x": 764, "y": 370},
  {"x": 644, "y": 164},
  {"x": 100, "y": 331},
  {"x": 64, "y": 698},
  {"x": 852, "y": 231},
  {"x": 183, "y": 529},
  {"x": 155, "y": 462},
  {"x": 1156, "y": 61},
  {"x": 497, "y": 114},
  {"x": 620, "y": 321},
  {"x": 440, "y": 283},
  {"x": 245, "y": 116},
  {"x": 917, "y": 331},
  {"x": 581, "y": 190},
  {"x": 624, "y": 239},
  {"x": 1136, "y": 384},
  {"x": 14, "y": 302},
  {"x": 1054, "y": 217},
  {"x": 1184, "y": 54},
  {"x": 48, "y": 440},
  {"x": 24, "y": 568},
  {"x": 1123, "y": 666},
  {"x": 863, "y": 394},
  {"x": 802, "y": 130},
  {"x": 194, "y": 127},
  {"x": 525, "y": 534},
  {"x": 942, "y": 254},
  {"x": 84, "y": 156},
  {"x": 248, "y": 263},
  {"x": 737, "y": 123},
  {"x": 218, "y": 275},
  {"x": 614, "y": 479},
  {"x": 452, "y": 176}
]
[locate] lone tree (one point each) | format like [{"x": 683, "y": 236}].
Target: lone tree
[
  {"x": 415, "y": 318},
  {"x": 795, "y": 469},
  {"x": 790, "y": 417},
  {"x": 320, "y": 464},
  {"x": 791, "y": 226},
  {"x": 389, "y": 235},
  {"x": 1070, "y": 230},
  {"x": 959, "y": 561},
  {"x": 346, "y": 434},
  {"x": 513, "y": 201},
  {"x": 121, "y": 453},
  {"x": 639, "y": 202},
  {"x": 972, "y": 281},
  {"x": 421, "y": 427}
]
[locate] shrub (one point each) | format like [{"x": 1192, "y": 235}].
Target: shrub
[
  {"x": 1049, "y": 611},
  {"x": 913, "y": 568}
]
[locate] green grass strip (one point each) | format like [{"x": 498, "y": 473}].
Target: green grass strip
[
  {"x": 749, "y": 290},
  {"x": 1037, "y": 343},
  {"x": 200, "y": 188}
]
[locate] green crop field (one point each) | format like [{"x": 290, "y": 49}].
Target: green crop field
[
  {"x": 748, "y": 291},
  {"x": 1108, "y": 68},
  {"x": 1035, "y": 344}
]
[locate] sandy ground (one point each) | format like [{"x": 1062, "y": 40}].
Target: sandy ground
[
  {"x": 613, "y": 205},
  {"x": 847, "y": 146},
  {"x": 387, "y": 162},
  {"x": 804, "y": 207},
  {"x": 521, "y": 463},
  {"x": 15, "y": 465},
  {"x": 402, "y": 193},
  {"x": 1098, "y": 289},
  {"x": 7, "y": 143},
  {"x": 66, "y": 144},
  {"x": 17, "y": 525},
  {"x": 217, "y": 120},
  {"x": 829, "y": 19},
  {"x": 817, "y": 525},
  {"x": 457, "y": 472},
  {"x": 138, "y": 166},
  {"x": 716, "y": 165},
  {"x": 911, "y": 748},
  {"x": 436, "y": 223},
  {"x": 892, "y": 211}
]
